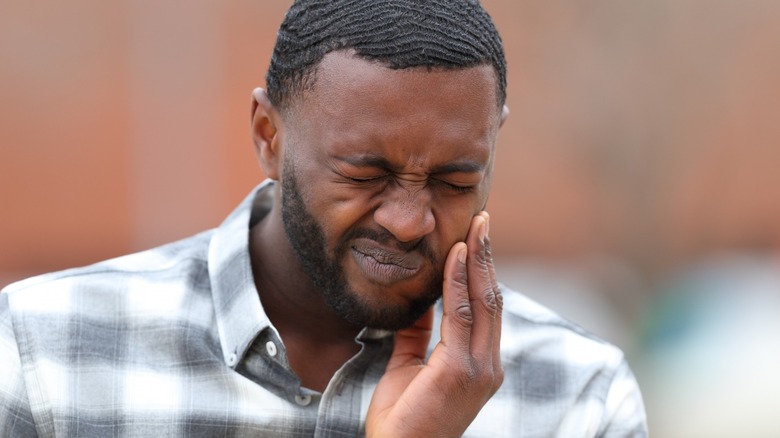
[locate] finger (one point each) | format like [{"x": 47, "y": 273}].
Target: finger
[
  {"x": 482, "y": 294},
  {"x": 411, "y": 344},
  {"x": 498, "y": 294},
  {"x": 457, "y": 316},
  {"x": 498, "y": 370}
]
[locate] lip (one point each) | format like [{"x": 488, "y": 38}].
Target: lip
[{"x": 384, "y": 266}]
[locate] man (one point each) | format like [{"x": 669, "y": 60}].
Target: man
[{"x": 309, "y": 310}]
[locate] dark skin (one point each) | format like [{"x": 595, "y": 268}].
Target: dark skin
[{"x": 409, "y": 152}]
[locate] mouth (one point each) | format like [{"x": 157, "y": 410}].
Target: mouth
[{"x": 383, "y": 266}]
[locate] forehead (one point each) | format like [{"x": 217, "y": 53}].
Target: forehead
[
  {"x": 360, "y": 98},
  {"x": 344, "y": 70}
]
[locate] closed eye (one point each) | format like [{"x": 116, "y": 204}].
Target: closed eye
[
  {"x": 363, "y": 180},
  {"x": 456, "y": 188}
]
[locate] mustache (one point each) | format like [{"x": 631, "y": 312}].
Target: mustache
[{"x": 385, "y": 238}]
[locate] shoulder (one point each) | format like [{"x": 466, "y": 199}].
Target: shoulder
[
  {"x": 148, "y": 287},
  {"x": 163, "y": 291},
  {"x": 530, "y": 328},
  {"x": 91, "y": 327},
  {"x": 569, "y": 381},
  {"x": 116, "y": 274}
]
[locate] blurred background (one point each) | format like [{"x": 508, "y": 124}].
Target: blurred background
[{"x": 637, "y": 186}]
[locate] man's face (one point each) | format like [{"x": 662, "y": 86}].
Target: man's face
[{"x": 382, "y": 172}]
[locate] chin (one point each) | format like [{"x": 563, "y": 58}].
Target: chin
[{"x": 387, "y": 307}]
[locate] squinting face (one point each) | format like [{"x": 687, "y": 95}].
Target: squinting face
[{"x": 382, "y": 172}]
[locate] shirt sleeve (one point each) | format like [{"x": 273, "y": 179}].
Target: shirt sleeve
[
  {"x": 16, "y": 419},
  {"x": 624, "y": 410}
]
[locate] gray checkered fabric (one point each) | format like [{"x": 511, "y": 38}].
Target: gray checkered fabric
[{"x": 174, "y": 342}]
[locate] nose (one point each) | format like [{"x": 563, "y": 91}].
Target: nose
[{"x": 406, "y": 214}]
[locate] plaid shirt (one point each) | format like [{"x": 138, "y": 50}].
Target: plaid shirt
[{"x": 174, "y": 342}]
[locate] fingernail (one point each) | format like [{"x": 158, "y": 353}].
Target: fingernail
[
  {"x": 462, "y": 255},
  {"x": 482, "y": 231}
]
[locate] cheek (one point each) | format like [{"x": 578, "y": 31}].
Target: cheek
[
  {"x": 338, "y": 211},
  {"x": 453, "y": 223},
  {"x": 456, "y": 228}
]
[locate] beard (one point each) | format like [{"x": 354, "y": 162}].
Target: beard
[{"x": 307, "y": 239}]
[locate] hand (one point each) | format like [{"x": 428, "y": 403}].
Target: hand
[{"x": 442, "y": 397}]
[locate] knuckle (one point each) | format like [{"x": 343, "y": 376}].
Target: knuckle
[
  {"x": 498, "y": 378},
  {"x": 490, "y": 299},
  {"x": 487, "y": 383},
  {"x": 464, "y": 314},
  {"x": 499, "y": 297},
  {"x": 492, "y": 379}
]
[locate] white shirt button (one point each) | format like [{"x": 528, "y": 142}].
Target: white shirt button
[
  {"x": 232, "y": 359},
  {"x": 303, "y": 400},
  {"x": 270, "y": 347}
]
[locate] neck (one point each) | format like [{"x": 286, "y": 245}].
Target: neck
[{"x": 312, "y": 332}]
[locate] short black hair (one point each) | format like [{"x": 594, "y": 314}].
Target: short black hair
[{"x": 400, "y": 34}]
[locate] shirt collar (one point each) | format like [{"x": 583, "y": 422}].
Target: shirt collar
[{"x": 239, "y": 313}]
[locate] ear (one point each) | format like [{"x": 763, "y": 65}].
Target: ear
[
  {"x": 504, "y": 115},
  {"x": 267, "y": 129}
]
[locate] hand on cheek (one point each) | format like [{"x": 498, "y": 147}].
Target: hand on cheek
[{"x": 443, "y": 396}]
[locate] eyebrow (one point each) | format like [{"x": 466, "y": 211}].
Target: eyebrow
[
  {"x": 467, "y": 166},
  {"x": 460, "y": 167}
]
